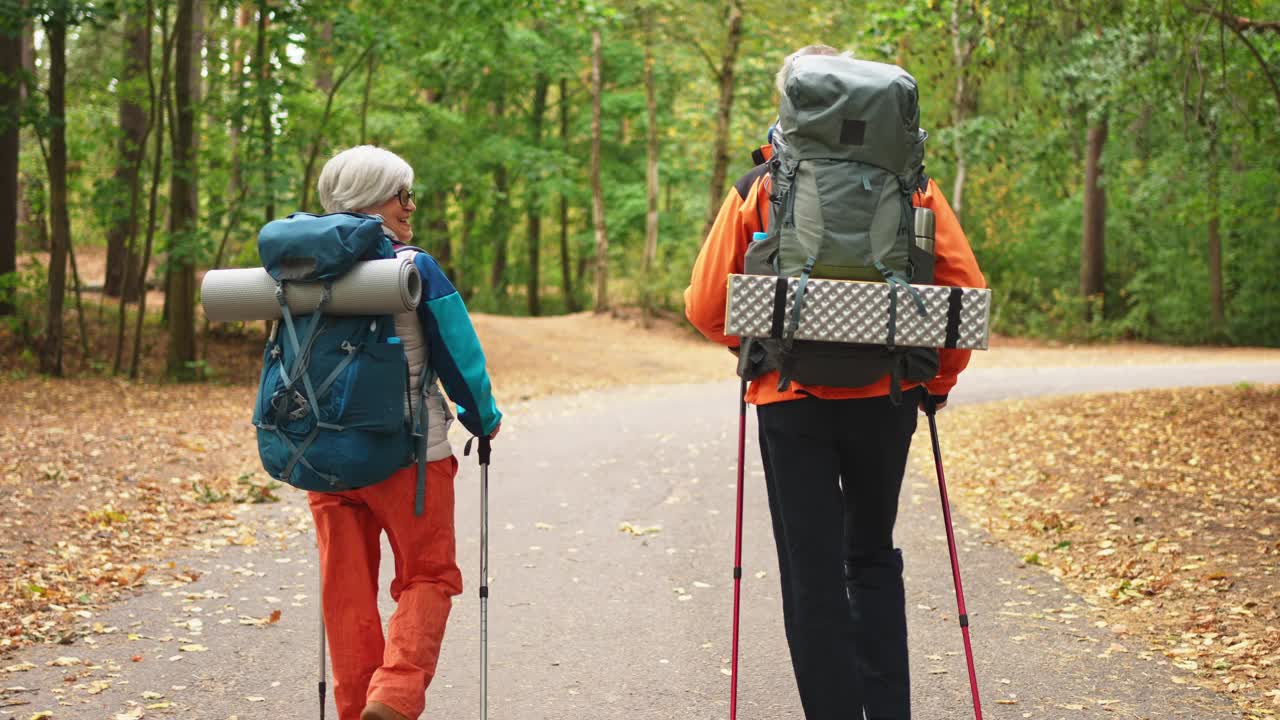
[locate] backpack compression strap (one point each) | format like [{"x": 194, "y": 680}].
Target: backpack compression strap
[
  {"x": 793, "y": 321},
  {"x": 301, "y": 361},
  {"x": 427, "y": 379},
  {"x": 419, "y": 416}
]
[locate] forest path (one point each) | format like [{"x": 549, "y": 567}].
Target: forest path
[{"x": 590, "y": 621}]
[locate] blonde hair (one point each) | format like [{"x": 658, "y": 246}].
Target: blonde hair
[
  {"x": 362, "y": 177},
  {"x": 784, "y": 72}
]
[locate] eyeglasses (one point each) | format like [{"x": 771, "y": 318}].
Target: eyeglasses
[{"x": 405, "y": 196}]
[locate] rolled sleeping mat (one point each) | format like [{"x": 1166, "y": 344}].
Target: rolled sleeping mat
[{"x": 371, "y": 287}]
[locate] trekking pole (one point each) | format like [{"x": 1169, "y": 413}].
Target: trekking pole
[
  {"x": 483, "y": 456},
  {"x": 737, "y": 548},
  {"x": 322, "y": 658},
  {"x": 931, "y": 408}
]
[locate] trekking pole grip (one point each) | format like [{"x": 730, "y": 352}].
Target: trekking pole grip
[
  {"x": 484, "y": 450},
  {"x": 930, "y": 404}
]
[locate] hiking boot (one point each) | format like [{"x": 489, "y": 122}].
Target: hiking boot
[{"x": 378, "y": 711}]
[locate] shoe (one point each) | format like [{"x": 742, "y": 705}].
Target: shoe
[{"x": 378, "y": 711}]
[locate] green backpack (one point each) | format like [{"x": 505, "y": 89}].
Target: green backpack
[{"x": 848, "y": 155}]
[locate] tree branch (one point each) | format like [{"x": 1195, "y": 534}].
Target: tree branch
[
  {"x": 711, "y": 63},
  {"x": 1238, "y": 23}
]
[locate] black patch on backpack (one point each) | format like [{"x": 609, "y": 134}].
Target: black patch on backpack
[
  {"x": 743, "y": 186},
  {"x": 853, "y": 132}
]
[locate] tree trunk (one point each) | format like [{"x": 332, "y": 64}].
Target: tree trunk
[
  {"x": 463, "y": 281},
  {"x": 438, "y": 241},
  {"x": 158, "y": 94},
  {"x": 10, "y": 116},
  {"x": 364, "y": 105},
  {"x": 27, "y": 216},
  {"x": 244, "y": 14},
  {"x": 137, "y": 62},
  {"x": 724, "y": 113},
  {"x": 500, "y": 221},
  {"x": 566, "y": 275},
  {"x": 184, "y": 208},
  {"x": 122, "y": 261},
  {"x": 533, "y": 204},
  {"x": 1092, "y": 250},
  {"x": 324, "y": 58},
  {"x": 262, "y": 61},
  {"x": 1217, "y": 309},
  {"x": 56, "y": 35},
  {"x": 651, "y": 174},
  {"x": 597, "y": 194},
  {"x": 964, "y": 100}
]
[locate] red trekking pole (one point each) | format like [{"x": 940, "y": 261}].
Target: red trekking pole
[
  {"x": 737, "y": 548},
  {"x": 930, "y": 409}
]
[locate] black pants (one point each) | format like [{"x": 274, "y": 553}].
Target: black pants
[{"x": 833, "y": 470}]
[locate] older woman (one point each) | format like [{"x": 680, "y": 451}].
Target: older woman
[{"x": 377, "y": 678}]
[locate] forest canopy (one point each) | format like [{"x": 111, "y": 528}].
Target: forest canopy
[{"x": 1116, "y": 165}]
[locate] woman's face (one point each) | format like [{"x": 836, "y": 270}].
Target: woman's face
[{"x": 395, "y": 215}]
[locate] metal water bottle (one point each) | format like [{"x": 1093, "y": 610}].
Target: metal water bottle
[{"x": 921, "y": 251}]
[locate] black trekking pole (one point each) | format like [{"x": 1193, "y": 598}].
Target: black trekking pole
[
  {"x": 931, "y": 409},
  {"x": 323, "y": 673},
  {"x": 483, "y": 456},
  {"x": 737, "y": 548}
]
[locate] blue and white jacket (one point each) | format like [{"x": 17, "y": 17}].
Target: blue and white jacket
[{"x": 439, "y": 335}]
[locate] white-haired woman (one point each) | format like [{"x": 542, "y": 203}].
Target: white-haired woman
[{"x": 377, "y": 678}]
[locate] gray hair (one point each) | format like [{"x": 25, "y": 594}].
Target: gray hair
[
  {"x": 784, "y": 72},
  {"x": 362, "y": 177}
]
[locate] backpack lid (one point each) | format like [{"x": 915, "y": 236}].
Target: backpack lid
[
  {"x": 835, "y": 107},
  {"x": 311, "y": 247}
]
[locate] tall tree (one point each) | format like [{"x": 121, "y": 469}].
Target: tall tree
[
  {"x": 184, "y": 196},
  {"x": 968, "y": 27},
  {"x": 1093, "y": 241},
  {"x": 55, "y": 27},
  {"x": 29, "y": 220},
  {"x": 262, "y": 65},
  {"x": 533, "y": 204},
  {"x": 651, "y": 170},
  {"x": 597, "y": 193},
  {"x": 566, "y": 273},
  {"x": 122, "y": 259},
  {"x": 1217, "y": 302},
  {"x": 500, "y": 219},
  {"x": 158, "y": 94},
  {"x": 244, "y": 15},
  {"x": 10, "y": 123},
  {"x": 724, "y": 74}
]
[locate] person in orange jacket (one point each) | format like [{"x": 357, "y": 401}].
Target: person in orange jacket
[{"x": 834, "y": 459}]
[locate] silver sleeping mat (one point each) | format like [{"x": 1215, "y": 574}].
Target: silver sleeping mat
[{"x": 847, "y": 311}]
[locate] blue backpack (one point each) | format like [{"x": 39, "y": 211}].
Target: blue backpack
[{"x": 330, "y": 410}]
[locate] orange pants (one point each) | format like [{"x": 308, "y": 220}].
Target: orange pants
[{"x": 397, "y": 670}]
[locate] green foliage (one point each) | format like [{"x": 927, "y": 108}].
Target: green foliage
[
  {"x": 27, "y": 292},
  {"x": 449, "y": 86}
]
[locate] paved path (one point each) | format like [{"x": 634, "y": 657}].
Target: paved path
[{"x": 590, "y": 622}]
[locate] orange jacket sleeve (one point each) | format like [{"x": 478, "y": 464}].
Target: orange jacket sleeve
[
  {"x": 955, "y": 266},
  {"x": 721, "y": 256}
]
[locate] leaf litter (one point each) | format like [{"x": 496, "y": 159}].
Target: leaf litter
[
  {"x": 102, "y": 480},
  {"x": 1160, "y": 508}
]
